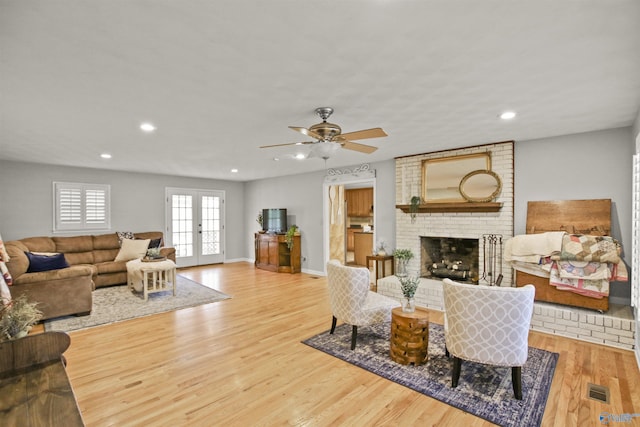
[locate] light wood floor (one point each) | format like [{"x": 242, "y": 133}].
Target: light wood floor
[{"x": 240, "y": 362}]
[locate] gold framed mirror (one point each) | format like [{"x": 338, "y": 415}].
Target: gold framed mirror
[
  {"x": 480, "y": 186},
  {"x": 441, "y": 177}
]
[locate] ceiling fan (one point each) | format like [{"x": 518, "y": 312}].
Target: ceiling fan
[{"x": 329, "y": 137}]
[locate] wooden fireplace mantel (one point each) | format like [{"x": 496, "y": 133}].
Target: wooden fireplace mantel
[{"x": 453, "y": 207}]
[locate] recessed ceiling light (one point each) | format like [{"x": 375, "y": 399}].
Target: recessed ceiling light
[
  {"x": 147, "y": 127},
  {"x": 276, "y": 159},
  {"x": 234, "y": 170},
  {"x": 300, "y": 156},
  {"x": 507, "y": 115},
  {"x": 105, "y": 155}
]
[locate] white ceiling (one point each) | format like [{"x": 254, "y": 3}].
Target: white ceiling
[{"x": 220, "y": 78}]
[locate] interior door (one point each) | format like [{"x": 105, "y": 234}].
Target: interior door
[
  {"x": 195, "y": 226},
  {"x": 337, "y": 223}
]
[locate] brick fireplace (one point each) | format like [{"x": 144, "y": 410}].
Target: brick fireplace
[
  {"x": 449, "y": 257},
  {"x": 456, "y": 233},
  {"x": 457, "y": 226}
]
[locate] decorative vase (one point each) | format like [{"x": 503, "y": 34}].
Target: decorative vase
[
  {"x": 382, "y": 252},
  {"x": 408, "y": 305},
  {"x": 401, "y": 267}
]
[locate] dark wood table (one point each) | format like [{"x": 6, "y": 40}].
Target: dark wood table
[
  {"x": 34, "y": 386},
  {"x": 380, "y": 266}
]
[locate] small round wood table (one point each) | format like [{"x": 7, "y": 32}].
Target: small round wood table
[{"x": 409, "y": 336}]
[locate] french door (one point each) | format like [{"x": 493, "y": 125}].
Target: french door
[{"x": 195, "y": 225}]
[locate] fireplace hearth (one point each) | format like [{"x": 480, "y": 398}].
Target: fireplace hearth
[{"x": 449, "y": 257}]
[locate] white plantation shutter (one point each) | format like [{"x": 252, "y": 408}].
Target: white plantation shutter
[{"x": 81, "y": 206}]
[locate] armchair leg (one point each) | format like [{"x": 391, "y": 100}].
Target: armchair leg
[
  {"x": 446, "y": 351},
  {"x": 455, "y": 375},
  {"x": 516, "y": 378},
  {"x": 333, "y": 325},
  {"x": 354, "y": 334}
]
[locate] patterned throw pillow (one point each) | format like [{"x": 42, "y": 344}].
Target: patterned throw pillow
[{"x": 124, "y": 235}]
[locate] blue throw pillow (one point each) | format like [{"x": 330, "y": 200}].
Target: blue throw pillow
[{"x": 45, "y": 262}]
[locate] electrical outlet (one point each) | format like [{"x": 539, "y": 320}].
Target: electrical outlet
[{"x": 304, "y": 258}]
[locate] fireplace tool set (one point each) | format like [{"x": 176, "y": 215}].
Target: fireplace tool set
[{"x": 492, "y": 269}]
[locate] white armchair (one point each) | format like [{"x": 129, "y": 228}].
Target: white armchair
[
  {"x": 488, "y": 324},
  {"x": 351, "y": 300}
]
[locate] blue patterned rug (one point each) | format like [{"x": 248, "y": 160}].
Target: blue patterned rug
[{"x": 484, "y": 391}]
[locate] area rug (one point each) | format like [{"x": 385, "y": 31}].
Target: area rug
[
  {"x": 117, "y": 303},
  {"x": 484, "y": 391}
]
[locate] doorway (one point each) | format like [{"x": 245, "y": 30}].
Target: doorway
[
  {"x": 195, "y": 225},
  {"x": 342, "y": 224}
]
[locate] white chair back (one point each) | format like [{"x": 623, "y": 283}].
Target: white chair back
[{"x": 488, "y": 324}]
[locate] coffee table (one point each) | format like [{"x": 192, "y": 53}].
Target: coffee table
[
  {"x": 409, "y": 336},
  {"x": 151, "y": 277}
]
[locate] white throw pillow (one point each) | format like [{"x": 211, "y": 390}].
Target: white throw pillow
[{"x": 132, "y": 249}]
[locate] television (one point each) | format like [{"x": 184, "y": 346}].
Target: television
[{"x": 274, "y": 220}]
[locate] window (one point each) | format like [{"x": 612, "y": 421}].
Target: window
[{"x": 80, "y": 206}]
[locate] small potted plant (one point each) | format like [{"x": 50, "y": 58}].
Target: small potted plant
[
  {"x": 289, "y": 236},
  {"x": 17, "y": 317},
  {"x": 409, "y": 285},
  {"x": 402, "y": 257},
  {"x": 259, "y": 221},
  {"x": 413, "y": 207}
]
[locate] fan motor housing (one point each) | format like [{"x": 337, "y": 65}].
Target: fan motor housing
[{"x": 326, "y": 130}]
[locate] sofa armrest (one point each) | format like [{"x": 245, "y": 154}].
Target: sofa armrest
[
  {"x": 63, "y": 273},
  {"x": 169, "y": 253}
]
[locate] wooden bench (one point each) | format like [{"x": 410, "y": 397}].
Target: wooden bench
[{"x": 34, "y": 386}]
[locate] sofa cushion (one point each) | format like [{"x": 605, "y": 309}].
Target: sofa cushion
[
  {"x": 106, "y": 241},
  {"x": 39, "y": 262},
  {"x": 104, "y": 255},
  {"x": 39, "y": 244},
  {"x": 73, "y": 244},
  {"x": 132, "y": 249},
  {"x": 111, "y": 267},
  {"x": 154, "y": 243}
]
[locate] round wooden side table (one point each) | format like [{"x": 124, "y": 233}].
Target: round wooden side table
[{"x": 409, "y": 336}]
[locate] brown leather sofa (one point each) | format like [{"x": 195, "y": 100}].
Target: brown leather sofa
[{"x": 68, "y": 290}]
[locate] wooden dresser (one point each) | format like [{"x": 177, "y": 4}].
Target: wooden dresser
[{"x": 34, "y": 386}]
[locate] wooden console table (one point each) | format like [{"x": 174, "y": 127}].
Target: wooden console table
[
  {"x": 273, "y": 254},
  {"x": 380, "y": 262},
  {"x": 34, "y": 387}
]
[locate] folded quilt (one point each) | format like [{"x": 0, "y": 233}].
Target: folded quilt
[
  {"x": 590, "y": 288},
  {"x": 534, "y": 245},
  {"x": 583, "y": 247}
]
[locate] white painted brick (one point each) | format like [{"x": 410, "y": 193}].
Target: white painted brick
[
  {"x": 625, "y": 340},
  {"x": 619, "y": 332},
  {"x": 567, "y": 334},
  {"x": 599, "y": 321},
  {"x": 578, "y": 331},
  {"x": 566, "y": 322},
  {"x": 583, "y": 318},
  {"x": 626, "y": 325},
  {"x": 591, "y": 319},
  {"x": 604, "y": 336},
  {"x": 594, "y": 328},
  {"x": 617, "y": 324},
  {"x": 591, "y": 339},
  {"x": 608, "y": 322},
  {"x": 554, "y": 326}
]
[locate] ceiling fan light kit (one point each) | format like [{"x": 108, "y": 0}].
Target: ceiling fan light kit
[{"x": 329, "y": 137}]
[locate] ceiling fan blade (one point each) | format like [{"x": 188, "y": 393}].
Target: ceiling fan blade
[
  {"x": 307, "y": 132},
  {"x": 368, "y": 149},
  {"x": 362, "y": 134},
  {"x": 289, "y": 143}
]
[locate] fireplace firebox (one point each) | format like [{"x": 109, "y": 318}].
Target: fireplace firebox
[{"x": 449, "y": 257}]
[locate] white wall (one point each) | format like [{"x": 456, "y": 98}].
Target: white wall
[
  {"x": 592, "y": 165},
  {"x": 137, "y": 200},
  {"x": 302, "y": 196}
]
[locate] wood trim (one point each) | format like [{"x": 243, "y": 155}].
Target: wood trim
[{"x": 454, "y": 207}]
